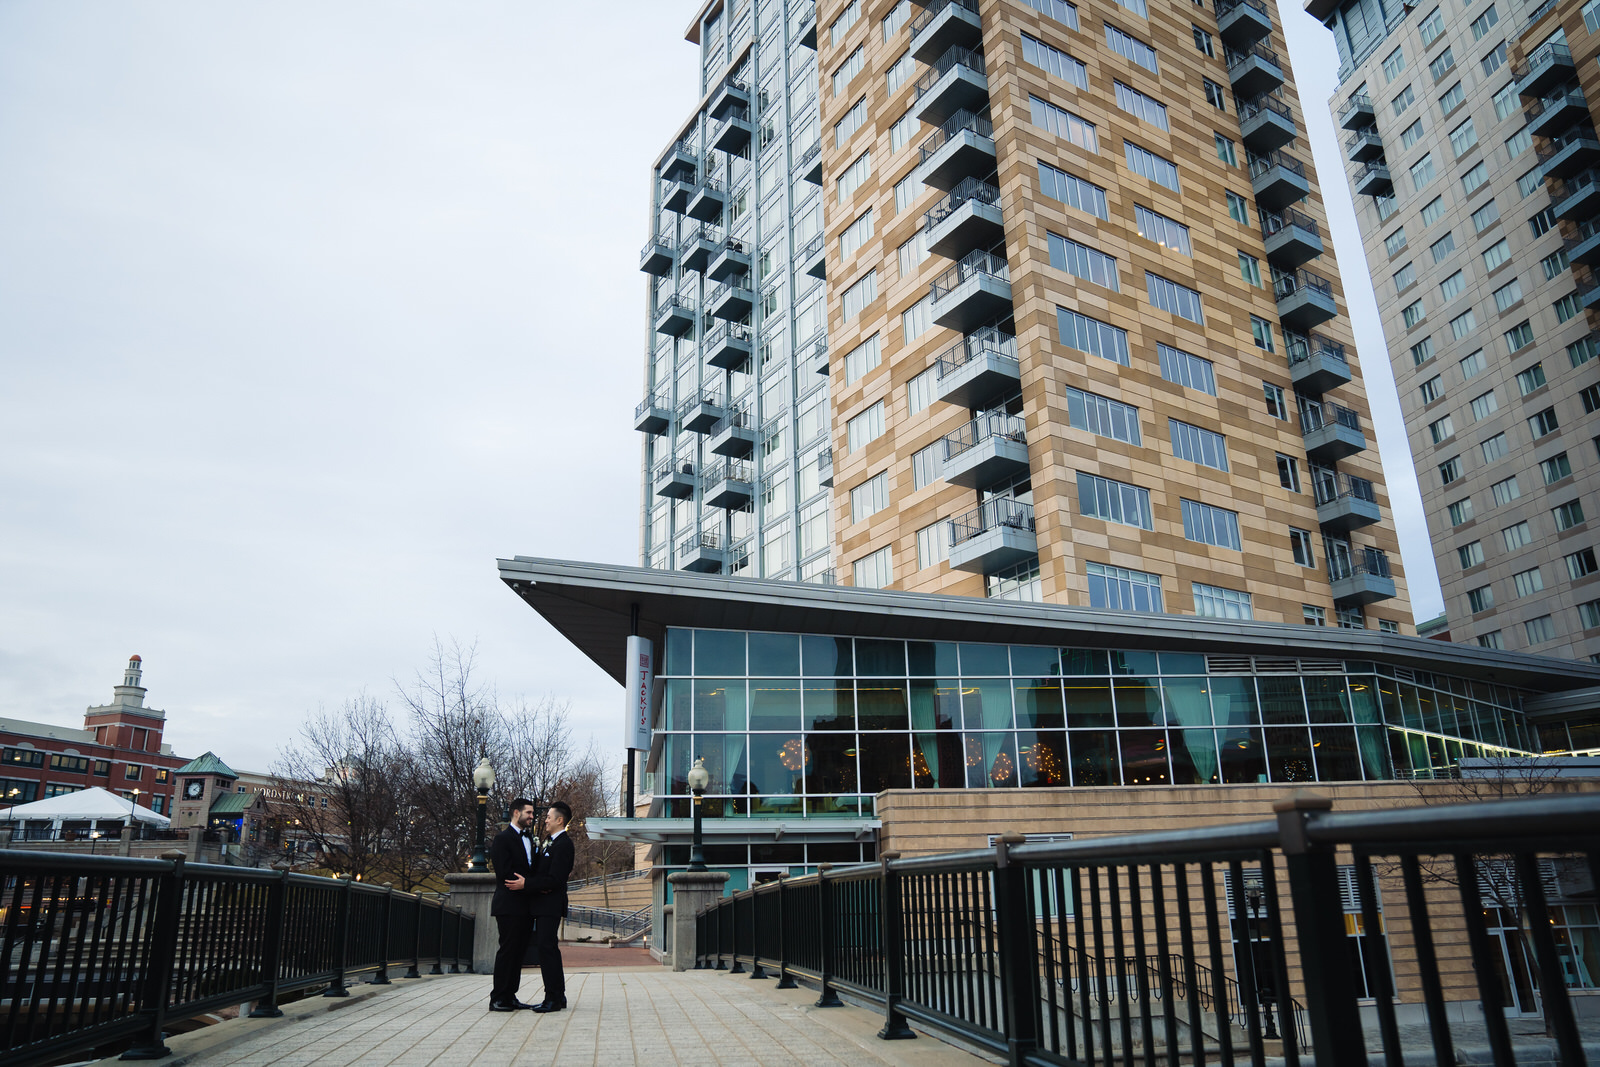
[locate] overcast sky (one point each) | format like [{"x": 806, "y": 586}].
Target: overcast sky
[{"x": 310, "y": 311}]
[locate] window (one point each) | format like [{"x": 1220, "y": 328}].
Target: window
[
  {"x": 1422, "y": 351},
  {"x": 1103, "y": 416},
  {"x": 1226, "y": 150},
  {"x": 1496, "y": 255},
  {"x": 1462, "y": 139},
  {"x": 1518, "y": 143},
  {"x": 1505, "y": 492},
  {"x": 1123, "y": 590},
  {"x": 1431, "y": 390},
  {"x": 1580, "y": 564},
  {"x": 859, "y": 295},
  {"x": 1216, "y": 602},
  {"x": 1422, "y": 172},
  {"x": 1555, "y": 468},
  {"x": 1506, "y": 101},
  {"x": 1567, "y": 307},
  {"x": 1238, "y": 208},
  {"x": 913, "y": 253},
  {"x": 1119, "y": 502},
  {"x": 1442, "y": 248},
  {"x": 1516, "y": 536},
  {"x": 1141, "y": 106},
  {"x": 1519, "y": 337},
  {"x": 906, "y": 191},
  {"x": 1313, "y": 616},
  {"x": 874, "y": 571},
  {"x": 917, "y": 319},
  {"x": 1473, "y": 365},
  {"x": 1288, "y": 472},
  {"x": 1060, "y": 10},
  {"x": 1554, "y": 264},
  {"x": 1162, "y": 230},
  {"x": 1491, "y": 640},
  {"x": 1411, "y": 134},
  {"x": 1171, "y": 297},
  {"x": 1393, "y": 64},
  {"x": 1463, "y": 324},
  {"x": 1149, "y": 165},
  {"x": 1210, "y": 525},
  {"x": 1460, "y": 511},
  {"x": 1054, "y": 61},
  {"x": 1301, "y": 546},
  {"x": 1442, "y": 429},
  {"x": 1591, "y": 399},
  {"x": 1413, "y": 313},
  {"x": 1261, "y": 331},
  {"x": 1214, "y": 95},
  {"x": 1064, "y": 124},
  {"x": 1581, "y": 352},
  {"x": 1451, "y": 99},
  {"x": 870, "y": 497},
  {"x": 1250, "y": 269},
  {"x": 854, "y": 235},
  {"x": 1508, "y": 295},
  {"x": 902, "y": 70},
  {"x": 920, "y": 390},
  {"x": 861, "y": 359},
  {"x": 927, "y": 465},
  {"x": 933, "y": 544},
  {"x": 1137, "y": 7},
  {"x": 1202, "y": 41},
  {"x": 1402, "y": 101},
  {"x": 1432, "y": 211},
  {"x": 1443, "y": 64},
  {"x": 1483, "y": 22},
  {"x": 850, "y": 123},
  {"x": 1495, "y": 59},
  {"x": 865, "y": 427},
  {"x": 1540, "y": 224},
  {"x": 1451, "y": 287},
  {"x": 1568, "y": 515},
  {"x": 1277, "y": 406},
  {"x": 897, "y": 17},
  {"x": 1352, "y": 619},
  {"x": 849, "y": 69},
  {"x": 1081, "y": 261},
  {"x": 1198, "y": 445},
  {"x": 1073, "y": 191},
  {"x": 1591, "y": 17},
  {"x": 903, "y": 130},
  {"x": 856, "y": 173},
  {"x": 133, "y": 772},
  {"x": 1528, "y": 582},
  {"x": 1494, "y": 448},
  {"x": 1543, "y": 423},
  {"x": 1393, "y": 243},
  {"x": 1480, "y": 599},
  {"x": 1470, "y": 555},
  {"x": 1589, "y": 614},
  {"x": 841, "y": 25},
  {"x": 1474, "y": 178},
  {"x": 1450, "y": 470},
  {"x": 1092, "y": 336},
  {"x": 1530, "y": 379},
  {"x": 1190, "y": 371},
  {"x": 1485, "y": 216},
  {"x": 1131, "y": 48},
  {"x": 1530, "y": 182}
]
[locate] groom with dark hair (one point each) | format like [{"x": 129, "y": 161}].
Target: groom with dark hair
[
  {"x": 512, "y": 853},
  {"x": 548, "y": 903}
]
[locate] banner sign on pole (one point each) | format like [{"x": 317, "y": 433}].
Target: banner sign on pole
[{"x": 640, "y": 676}]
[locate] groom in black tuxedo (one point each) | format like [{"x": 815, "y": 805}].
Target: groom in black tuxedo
[
  {"x": 513, "y": 854},
  {"x": 548, "y": 903}
]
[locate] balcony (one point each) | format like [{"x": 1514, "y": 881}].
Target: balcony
[
  {"x": 1573, "y": 151},
  {"x": 703, "y": 553},
  {"x": 1585, "y": 247},
  {"x": 1278, "y": 180},
  {"x": 656, "y": 257},
  {"x": 727, "y": 346},
  {"x": 809, "y": 165},
  {"x": 674, "y": 479},
  {"x": 680, "y": 161},
  {"x": 974, "y": 291},
  {"x": 701, "y": 411},
  {"x": 1576, "y": 198},
  {"x": 706, "y": 203},
  {"x": 676, "y": 192},
  {"x": 732, "y": 134},
  {"x": 1304, "y": 299},
  {"x": 1363, "y": 145},
  {"x": 732, "y": 299},
  {"x": 1589, "y": 292},
  {"x": 944, "y": 23},
  {"x": 825, "y": 468},
  {"x": 968, "y": 218},
  {"x": 956, "y": 81},
  {"x": 1331, "y": 431},
  {"x": 979, "y": 368},
  {"x": 1241, "y": 23},
  {"x": 1552, "y": 114},
  {"x": 1551, "y": 65},
  {"x": 1254, "y": 71},
  {"x": 993, "y": 536},
  {"x": 675, "y": 316},
  {"x": 730, "y": 484},
  {"x": 1357, "y": 112},
  {"x": 1316, "y": 363},
  {"x": 1373, "y": 179},
  {"x": 962, "y": 148},
  {"x": 986, "y": 451},
  {"x": 697, "y": 245},
  {"x": 1265, "y": 123},
  {"x": 804, "y": 27},
  {"x": 1361, "y": 577},
  {"x": 1344, "y": 502},
  {"x": 813, "y": 258},
  {"x": 730, "y": 96},
  {"x": 653, "y": 415},
  {"x": 730, "y": 258},
  {"x": 1292, "y": 238},
  {"x": 815, "y": 355}
]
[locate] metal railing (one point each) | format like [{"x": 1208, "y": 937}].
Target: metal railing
[
  {"x": 1346, "y": 561},
  {"x": 1273, "y": 224},
  {"x": 654, "y": 400},
  {"x": 988, "y": 424},
  {"x": 1192, "y": 945},
  {"x": 1249, "y": 109},
  {"x": 969, "y": 266},
  {"x": 1286, "y": 283},
  {"x": 1259, "y": 51},
  {"x": 1365, "y": 135},
  {"x": 710, "y": 539},
  {"x": 1571, "y": 94},
  {"x": 737, "y": 417},
  {"x": 812, "y": 247},
  {"x": 621, "y": 923},
  {"x": 966, "y": 191},
  {"x": 728, "y": 331},
  {"x": 657, "y": 242},
  {"x": 954, "y": 56},
  {"x": 1586, "y": 229},
  {"x": 671, "y": 467},
  {"x": 1554, "y": 52},
  {"x": 935, "y": 9},
  {"x": 667, "y": 303},
  {"x": 987, "y": 341},
  {"x": 1261, "y": 164},
  {"x": 808, "y": 155},
  {"x": 734, "y": 470},
  {"x": 1301, "y": 347},
  {"x": 1580, "y": 132},
  {"x": 1539, "y": 12},
  {"x": 1225, "y": 6},
  {"x": 960, "y": 121},
  {"x": 1329, "y": 485},
  {"x": 737, "y": 284},
  {"x": 991, "y": 515},
  {"x": 619, "y": 876},
  {"x": 103, "y": 950},
  {"x": 1355, "y": 101},
  {"x": 1561, "y": 188},
  {"x": 1314, "y": 415},
  {"x": 700, "y": 231}
]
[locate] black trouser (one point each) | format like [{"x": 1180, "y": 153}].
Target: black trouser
[
  {"x": 515, "y": 932},
  {"x": 546, "y": 937}
]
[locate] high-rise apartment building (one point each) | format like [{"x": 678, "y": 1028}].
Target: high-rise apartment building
[
  {"x": 1472, "y": 149},
  {"x": 1083, "y": 334}
]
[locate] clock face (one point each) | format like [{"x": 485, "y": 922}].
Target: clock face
[{"x": 192, "y": 790}]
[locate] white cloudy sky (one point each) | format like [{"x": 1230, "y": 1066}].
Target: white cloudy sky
[{"x": 310, "y": 311}]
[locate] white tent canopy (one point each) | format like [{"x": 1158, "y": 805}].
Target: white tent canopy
[{"x": 89, "y": 804}]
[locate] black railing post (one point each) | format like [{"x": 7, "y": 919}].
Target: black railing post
[
  {"x": 272, "y": 956},
  {"x": 825, "y": 924},
  {"x": 1331, "y": 989},
  {"x": 162, "y": 955},
  {"x": 756, "y": 970},
  {"x": 415, "y": 970},
  {"x": 1019, "y": 973},
  {"x": 785, "y": 979},
  {"x": 382, "y": 977},
  {"x": 341, "y": 941},
  {"x": 895, "y": 1027},
  {"x": 438, "y": 941}
]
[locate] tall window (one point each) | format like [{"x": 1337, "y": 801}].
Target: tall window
[
  {"x": 1112, "y": 501},
  {"x": 1063, "y": 124},
  {"x": 870, "y": 497},
  {"x": 1092, "y": 336},
  {"x": 1123, "y": 590},
  {"x": 1190, "y": 371},
  {"x": 849, "y": 69},
  {"x": 1054, "y": 61},
  {"x": 1131, "y": 48},
  {"x": 1081, "y": 261},
  {"x": 850, "y": 123},
  {"x": 1198, "y": 445},
  {"x": 1103, "y": 416},
  {"x": 1211, "y": 525},
  {"x": 855, "y": 235},
  {"x": 1147, "y": 164},
  {"x": 1073, "y": 191},
  {"x": 1156, "y": 227},
  {"x": 1215, "y": 602},
  {"x": 860, "y": 359},
  {"x": 874, "y": 571},
  {"x": 933, "y": 544},
  {"x": 859, "y": 295},
  {"x": 865, "y": 427},
  {"x": 927, "y": 466},
  {"x": 1141, "y": 106},
  {"x": 1171, "y": 297},
  {"x": 857, "y": 172}
]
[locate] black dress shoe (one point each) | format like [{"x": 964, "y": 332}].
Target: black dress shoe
[
  {"x": 558, "y": 1004},
  {"x": 499, "y": 1006}
]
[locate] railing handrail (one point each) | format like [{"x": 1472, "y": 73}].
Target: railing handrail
[
  {"x": 1354, "y": 101},
  {"x": 1578, "y": 133},
  {"x": 1303, "y": 346},
  {"x": 987, "y": 339},
  {"x": 1544, "y": 103},
  {"x": 1539, "y": 12},
  {"x": 966, "y": 190},
  {"x": 701, "y": 539},
  {"x": 1565, "y": 187},
  {"x": 933, "y": 10},
  {"x": 1542, "y": 56},
  {"x": 736, "y": 470},
  {"x": 1365, "y": 133},
  {"x": 973, "y": 263},
  {"x": 1329, "y": 485},
  {"x": 979, "y": 124},
  {"x": 1225, "y": 6},
  {"x": 1261, "y": 163},
  {"x": 981, "y": 428},
  {"x": 619, "y": 876},
  {"x": 990, "y": 515},
  {"x": 1285, "y": 283},
  {"x": 1315, "y": 414},
  {"x": 954, "y": 56},
  {"x": 1259, "y": 50},
  {"x": 1274, "y": 222},
  {"x": 1263, "y": 102}
]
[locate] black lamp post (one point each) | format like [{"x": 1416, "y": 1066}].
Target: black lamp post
[
  {"x": 699, "y": 778},
  {"x": 1253, "y": 903},
  {"x": 483, "y": 781}
]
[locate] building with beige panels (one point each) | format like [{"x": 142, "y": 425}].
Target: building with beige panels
[{"x": 1472, "y": 150}]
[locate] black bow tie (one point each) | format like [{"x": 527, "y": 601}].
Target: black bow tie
[{"x": 522, "y": 833}]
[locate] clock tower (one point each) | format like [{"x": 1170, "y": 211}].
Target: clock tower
[{"x": 200, "y": 783}]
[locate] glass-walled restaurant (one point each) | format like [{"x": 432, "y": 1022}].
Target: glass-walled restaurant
[{"x": 813, "y": 725}]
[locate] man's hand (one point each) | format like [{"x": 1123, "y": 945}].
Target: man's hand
[{"x": 515, "y": 884}]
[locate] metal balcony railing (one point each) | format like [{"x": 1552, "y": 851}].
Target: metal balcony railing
[
  {"x": 1355, "y": 102},
  {"x": 991, "y": 515},
  {"x": 935, "y": 9},
  {"x": 1286, "y": 283},
  {"x": 738, "y": 114},
  {"x": 984, "y": 341},
  {"x": 1554, "y": 52},
  {"x": 736, "y": 418},
  {"x": 1273, "y": 224},
  {"x": 736, "y": 470},
  {"x": 1346, "y": 561},
  {"x": 1256, "y": 105},
  {"x": 673, "y": 466},
  {"x": 812, "y": 247},
  {"x": 1260, "y": 51},
  {"x": 987, "y": 425},
  {"x": 1586, "y": 229},
  {"x": 657, "y": 241},
  {"x": 1314, "y": 415},
  {"x": 1260, "y": 165},
  {"x": 723, "y": 331},
  {"x": 955, "y": 56},
  {"x": 1539, "y": 12},
  {"x": 711, "y": 539},
  {"x": 1225, "y": 6},
  {"x": 1561, "y": 188},
  {"x": 1582, "y": 131},
  {"x": 955, "y": 124},
  {"x": 674, "y": 301},
  {"x": 699, "y": 231},
  {"x": 739, "y": 283},
  {"x": 1571, "y": 94},
  {"x": 1330, "y": 485},
  {"x": 1366, "y": 135},
  {"x": 825, "y": 460},
  {"x": 807, "y": 156},
  {"x": 970, "y": 266},
  {"x": 1302, "y": 347},
  {"x": 968, "y": 189},
  {"x": 1375, "y": 169},
  {"x": 695, "y": 399},
  {"x": 654, "y": 400}
]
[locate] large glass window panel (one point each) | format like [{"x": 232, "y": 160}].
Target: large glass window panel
[
  {"x": 938, "y": 761},
  {"x": 1084, "y": 662},
  {"x": 885, "y": 762},
  {"x": 1142, "y": 664},
  {"x": 774, "y": 654},
  {"x": 1233, "y": 702},
  {"x": 1389, "y": 701},
  {"x": 881, "y": 705},
  {"x": 935, "y": 704},
  {"x": 1374, "y": 753},
  {"x": 1043, "y": 758},
  {"x": 822, "y": 657},
  {"x": 679, "y": 650},
  {"x": 719, "y": 704},
  {"x": 778, "y": 764},
  {"x": 1335, "y": 750},
  {"x": 991, "y": 760},
  {"x": 828, "y": 705},
  {"x": 984, "y": 659},
  {"x": 675, "y": 760},
  {"x": 986, "y": 705},
  {"x": 1282, "y": 703},
  {"x": 1242, "y": 756},
  {"x": 1410, "y": 705},
  {"x": 1088, "y": 705},
  {"x": 933, "y": 657},
  {"x": 678, "y": 714},
  {"x": 1327, "y": 700},
  {"x": 1144, "y": 757},
  {"x": 1182, "y": 663},
  {"x": 1037, "y": 660},
  {"x": 725, "y": 762},
  {"x": 1138, "y": 704},
  {"x": 1038, "y": 704},
  {"x": 832, "y": 768},
  {"x": 774, "y": 704},
  {"x": 1289, "y": 754},
  {"x": 1188, "y": 703},
  {"x": 875, "y": 658},
  {"x": 1094, "y": 757},
  {"x": 833, "y": 805},
  {"x": 719, "y": 652},
  {"x": 1194, "y": 757}
]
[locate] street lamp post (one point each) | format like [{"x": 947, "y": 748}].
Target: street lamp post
[
  {"x": 699, "y": 778},
  {"x": 1254, "y": 903},
  {"x": 94, "y": 839},
  {"x": 483, "y": 781}
]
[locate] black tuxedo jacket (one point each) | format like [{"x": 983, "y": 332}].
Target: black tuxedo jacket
[
  {"x": 552, "y": 868},
  {"x": 509, "y": 859}
]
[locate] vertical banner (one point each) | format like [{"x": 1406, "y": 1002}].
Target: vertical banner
[{"x": 640, "y": 678}]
